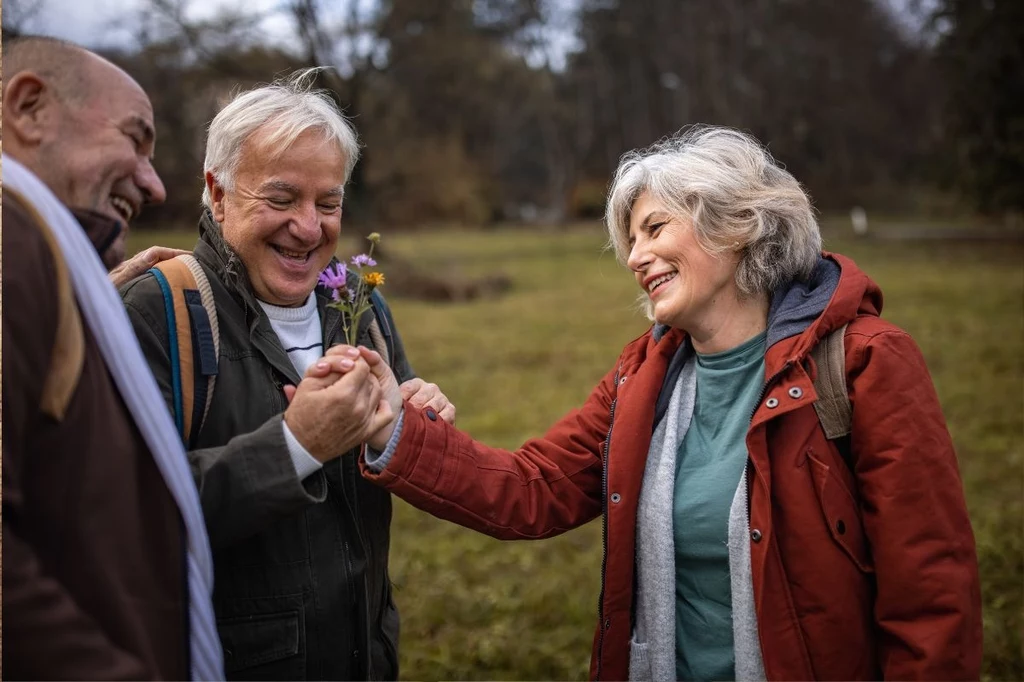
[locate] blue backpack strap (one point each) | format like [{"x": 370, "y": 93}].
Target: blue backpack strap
[
  {"x": 206, "y": 331},
  {"x": 172, "y": 335},
  {"x": 205, "y": 366}
]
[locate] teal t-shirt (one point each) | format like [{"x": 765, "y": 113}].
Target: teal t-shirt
[{"x": 709, "y": 465}]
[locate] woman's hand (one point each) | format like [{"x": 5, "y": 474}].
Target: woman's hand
[{"x": 421, "y": 394}]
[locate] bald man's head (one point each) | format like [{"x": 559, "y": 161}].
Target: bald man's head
[
  {"x": 60, "y": 62},
  {"x": 81, "y": 124}
]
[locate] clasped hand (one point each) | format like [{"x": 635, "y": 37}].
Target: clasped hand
[{"x": 351, "y": 396}]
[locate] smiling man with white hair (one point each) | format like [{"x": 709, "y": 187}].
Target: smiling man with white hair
[{"x": 300, "y": 539}]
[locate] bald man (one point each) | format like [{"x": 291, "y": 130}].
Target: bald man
[{"x": 106, "y": 565}]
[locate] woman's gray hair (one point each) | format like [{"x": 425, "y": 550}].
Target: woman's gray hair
[
  {"x": 287, "y": 108},
  {"x": 737, "y": 197}
]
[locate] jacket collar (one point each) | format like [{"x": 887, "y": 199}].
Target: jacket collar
[
  {"x": 804, "y": 313},
  {"x": 105, "y": 234},
  {"x": 214, "y": 251}
]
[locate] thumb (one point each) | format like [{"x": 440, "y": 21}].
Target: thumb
[
  {"x": 289, "y": 393},
  {"x": 382, "y": 417}
]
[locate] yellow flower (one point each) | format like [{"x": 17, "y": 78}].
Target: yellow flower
[
  {"x": 373, "y": 279},
  {"x": 374, "y": 237}
]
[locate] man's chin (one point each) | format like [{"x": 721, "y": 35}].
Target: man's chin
[{"x": 287, "y": 297}]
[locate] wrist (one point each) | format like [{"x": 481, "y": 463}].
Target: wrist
[{"x": 379, "y": 440}]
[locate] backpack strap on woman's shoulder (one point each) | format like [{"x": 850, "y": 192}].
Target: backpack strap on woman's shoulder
[{"x": 833, "y": 404}]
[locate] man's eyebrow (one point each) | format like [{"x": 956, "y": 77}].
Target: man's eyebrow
[
  {"x": 289, "y": 188},
  {"x": 279, "y": 186},
  {"x": 144, "y": 126}
]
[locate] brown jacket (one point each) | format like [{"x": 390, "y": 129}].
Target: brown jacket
[
  {"x": 861, "y": 574},
  {"x": 93, "y": 545}
]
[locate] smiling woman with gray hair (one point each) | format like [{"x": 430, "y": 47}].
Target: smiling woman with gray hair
[{"x": 746, "y": 536}]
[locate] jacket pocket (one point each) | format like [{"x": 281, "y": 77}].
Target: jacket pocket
[
  {"x": 267, "y": 644},
  {"x": 639, "y": 662},
  {"x": 841, "y": 513}
]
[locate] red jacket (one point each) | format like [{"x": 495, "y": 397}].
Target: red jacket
[{"x": 867, "y": 574}]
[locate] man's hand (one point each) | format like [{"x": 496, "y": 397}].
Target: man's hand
[
  {"x": 421, "y": 394},
  {"x": 140, "y": 262},
  {"x": 331, "y": 412},
  {"x": 334, "y": 363}
]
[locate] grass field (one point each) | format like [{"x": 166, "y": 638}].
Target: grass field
[{"x": 476, "y": 608}]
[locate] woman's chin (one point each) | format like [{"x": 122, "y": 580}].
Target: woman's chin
[{"x": 664, "y": 319}]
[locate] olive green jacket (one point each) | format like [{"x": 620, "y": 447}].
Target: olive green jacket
[{"x": 301, "y": 567}]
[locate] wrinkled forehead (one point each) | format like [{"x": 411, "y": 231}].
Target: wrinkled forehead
[{"x": 110, "y": 89}]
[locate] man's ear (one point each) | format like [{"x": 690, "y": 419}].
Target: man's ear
[
  {"x": 216, "y": 197},
  {"x": 29, "y": 108}
]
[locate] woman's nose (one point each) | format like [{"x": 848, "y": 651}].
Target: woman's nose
[{"x": 638, "y": 257}]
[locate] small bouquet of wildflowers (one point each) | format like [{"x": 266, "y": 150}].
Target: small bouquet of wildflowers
[{"x": 353, "y": 302}]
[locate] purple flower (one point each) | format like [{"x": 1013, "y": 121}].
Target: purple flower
[
  {"x": 363, "y": 260},
  {"x": 342, "y": 294},
  {"x": 333, "y": 278}
]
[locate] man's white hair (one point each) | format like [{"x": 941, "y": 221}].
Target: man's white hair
[
  {"x": 284, "y": 109},
  {"x": 737, "y": 197}
]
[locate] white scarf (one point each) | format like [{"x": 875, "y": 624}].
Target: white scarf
[{"x": 104, "y": 313}]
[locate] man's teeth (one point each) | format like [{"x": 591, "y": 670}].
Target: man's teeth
[
  {"x": 661, "y": 280},
  {"x": 291, "y": 254},
  {"x": 123, "y": 207}
]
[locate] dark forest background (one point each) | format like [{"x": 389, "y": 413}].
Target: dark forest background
[{"x": 477, "y": 111}]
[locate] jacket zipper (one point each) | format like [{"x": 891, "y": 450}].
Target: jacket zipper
[
  {"x": 604, "y": 527},
  {"x": 341, "y": 501}
]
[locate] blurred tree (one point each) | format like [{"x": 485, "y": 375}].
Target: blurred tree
[
  {"x": 981, "y": 53},
  {"x": 481, "y": 110},
  {"x": 449, "y": 91},
  {"x": 836, "y": 89}
]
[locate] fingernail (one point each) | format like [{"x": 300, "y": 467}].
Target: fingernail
[
  {"x": 347, "y": 364},
  {"x": 352, "y": 352},
  {"x": 322, "y": 365}
]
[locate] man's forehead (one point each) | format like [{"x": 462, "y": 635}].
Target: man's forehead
[{"x": 113, "y": 88}]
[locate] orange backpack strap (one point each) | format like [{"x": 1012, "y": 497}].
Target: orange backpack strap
[
  {"x": 68, "y": 356},
  {"x": 194, "y": 342}
]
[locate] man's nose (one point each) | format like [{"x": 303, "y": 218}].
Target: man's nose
[
  {"x": 306, "y": 224},
  {"x": 149, "y": 182}
]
